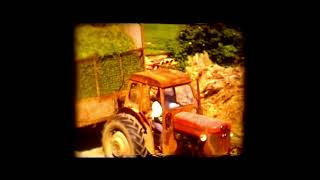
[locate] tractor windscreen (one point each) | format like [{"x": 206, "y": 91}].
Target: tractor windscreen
[{"x": 179, "y": 96}]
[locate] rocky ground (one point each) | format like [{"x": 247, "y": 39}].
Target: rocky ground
[{"x": 222, "y": 92}]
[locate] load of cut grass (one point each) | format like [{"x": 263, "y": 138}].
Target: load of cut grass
[{"x": 101, "y": 40}]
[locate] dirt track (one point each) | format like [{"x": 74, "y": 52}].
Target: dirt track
[{"x": 92, "y": 153}]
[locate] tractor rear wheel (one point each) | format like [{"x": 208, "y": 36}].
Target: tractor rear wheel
[{"x": 123, "y": 137}]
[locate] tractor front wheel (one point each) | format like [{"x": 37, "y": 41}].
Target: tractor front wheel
[{"x": 123, "y": 137}]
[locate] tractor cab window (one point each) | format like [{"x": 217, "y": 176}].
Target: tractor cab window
[
  {"x": 145, "y": 99},
  {"x": 184, "y": 95},
  {"x": 154, "y": 95},
  {"x": 178, "y": 96},
  {"x": 170, "y": 98},
  {"x": 134, "y": 93}
]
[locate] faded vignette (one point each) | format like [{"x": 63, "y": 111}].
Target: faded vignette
[{"x": 134, "y": 100}]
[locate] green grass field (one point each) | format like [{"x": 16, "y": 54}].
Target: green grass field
[{"x": 158, "y": 37}]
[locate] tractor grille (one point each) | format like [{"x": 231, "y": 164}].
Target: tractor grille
[{"x": 220, "y": 142}]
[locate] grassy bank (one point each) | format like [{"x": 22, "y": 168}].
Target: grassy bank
[{"x": 159, "y": 37}]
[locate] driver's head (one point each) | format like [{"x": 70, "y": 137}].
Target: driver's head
[{"x": 154, "y": 95}]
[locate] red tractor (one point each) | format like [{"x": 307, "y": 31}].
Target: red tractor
[{"x": 161, "y": 115}]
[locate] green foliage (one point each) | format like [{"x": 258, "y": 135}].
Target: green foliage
[
  {"x": 180, "y": 56},
  {"x": 154, "y": 51},
  {"x": 223, "y": 44},
  {"x": 101, "y": 40},
  {"x": 161, "y": 37}
]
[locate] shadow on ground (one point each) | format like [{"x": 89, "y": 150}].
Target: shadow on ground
[{"x": 89, "y": 137}]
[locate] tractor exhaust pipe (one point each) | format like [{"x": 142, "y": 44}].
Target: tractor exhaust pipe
[{"x": 198, "y": 95}]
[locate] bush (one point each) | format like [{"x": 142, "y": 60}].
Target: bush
[{"x": 223, "y": 44}]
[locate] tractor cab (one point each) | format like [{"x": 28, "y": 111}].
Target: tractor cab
[
  {"x": 169, "y": 105},
  {"x": 161, "y": 115}
]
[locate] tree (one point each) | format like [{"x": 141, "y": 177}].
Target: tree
[{"x": 223, "y": 43}]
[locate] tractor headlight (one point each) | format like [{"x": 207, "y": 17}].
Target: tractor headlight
[{"x": 203, "y": 137}]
